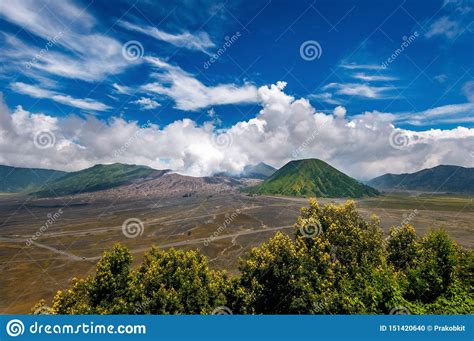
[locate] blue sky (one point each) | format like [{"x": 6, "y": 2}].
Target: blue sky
[
  {"x": 431, "y": 72},
  {"x": 407, "y": 62}
]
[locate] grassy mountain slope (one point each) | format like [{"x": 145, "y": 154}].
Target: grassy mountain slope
[
  {"x": 312, "y": 177},
  {"x": 15, "y": 180},
  {"x": 97, "y": 178},
  {"x": 438, "y": 179}
]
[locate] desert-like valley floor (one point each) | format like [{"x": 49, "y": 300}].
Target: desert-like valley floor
[{"x": 72, "y": 244}]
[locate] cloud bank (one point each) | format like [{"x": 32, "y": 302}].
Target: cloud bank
[{"x": 285, "y": 128}]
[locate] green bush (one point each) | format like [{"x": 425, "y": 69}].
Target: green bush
[{"x": 337, "y": 263}]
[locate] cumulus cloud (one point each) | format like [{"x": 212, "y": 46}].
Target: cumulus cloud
[
  {"x": 189, "y": 93},
  {"x": 198, "y": 41},
  {"x": 340, "y": 111},
  {"x": 359, "y": 145}
]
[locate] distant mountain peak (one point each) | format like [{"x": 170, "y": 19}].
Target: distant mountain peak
[
  {"x": 312, "y": 177},
  {"x": 258, "y": 171}
]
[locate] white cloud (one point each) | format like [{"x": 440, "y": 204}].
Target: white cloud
[
  {"x": 461, "y": 6},
  {"x": 332, "y": 92},
  {"x": 211, "y": 113},
  {"x": 358, "y": 145},
  {"x": 444, "y": 26},
  {"x": 89, "y": 56},
  {"x": 147, "y": 103},
  {"x": 360, "y": 90},
  {"x": 190, "y": 94},
  {"x": 340, "y": 111},
  {"x": 468, "y": 90},
  {"x": 325, "y": 97},
  {"x": 199, "y": 41},
  {"x": 451, "y": 109},
  {"x": 373, "y": 78},
  {"x": 441, "y": 78},
  {"x": 122, "y": 89},
  {"x": 37, "y": 92},
  {"x": 34, "y": 16},
  {"x": 452, "y": 113},
  {"x": 355, "y": 66}
]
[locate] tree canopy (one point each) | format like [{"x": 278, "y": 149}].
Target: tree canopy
[{"x": 336, "y": 263}]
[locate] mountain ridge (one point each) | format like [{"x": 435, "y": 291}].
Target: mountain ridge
[
  {"x": 98, "y": 177},
  {"x": 22, "y": 179},
  {"x": 260, "y": 171},
  {"x": 441, "y": 178}
]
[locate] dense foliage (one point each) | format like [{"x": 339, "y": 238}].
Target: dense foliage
[
  {"x": 337, "y": 263},
  {"x": 312, "y": 177}
]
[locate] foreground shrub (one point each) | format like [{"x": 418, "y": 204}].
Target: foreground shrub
[{"x": 337, "y": 263}]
